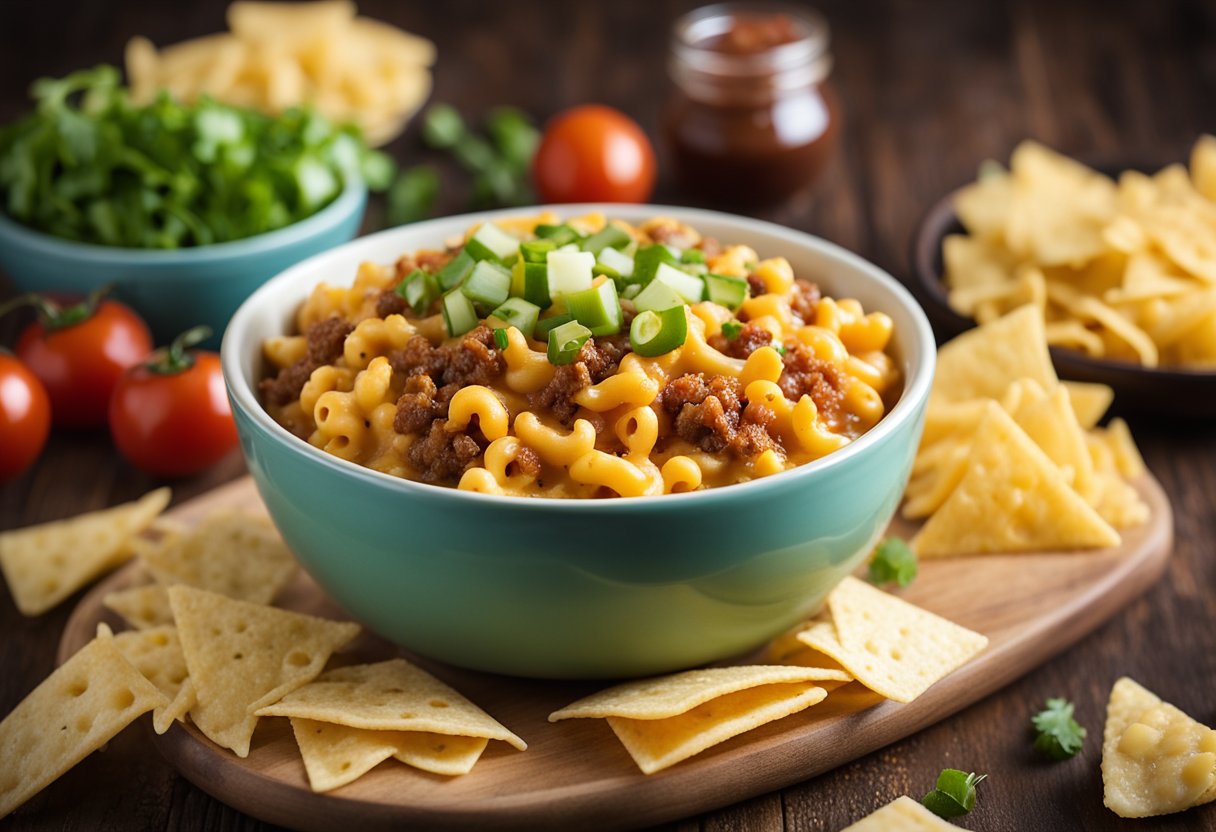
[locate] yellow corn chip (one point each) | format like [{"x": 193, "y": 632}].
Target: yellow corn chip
[
  {"x": 983, "y": 362},
  {"x": 1155, "y": 759},
  {"x": 45, "y": 564},
  {"x": 1089, "y": 401},
  {"x": 446, "y": 754},
  {"x": 335, "y": 755},
  {"x": 233, "y": 553},
  {"x": 76, "y": 710},
  {"x": 1051, "y": 423},
  {"x": 1011, "y": 499},
  {"x": 143, "y": 607},
  {"x": 389, "y": 696},
  {"x": 1118, "y": 437},
  {"x": 243, "y": 656},
  {"x": 667, "y": 719},
  {"x": 901, "y": 815},
  {"x": 892, "y": 647},
  {"x": 157, "y": 654}
]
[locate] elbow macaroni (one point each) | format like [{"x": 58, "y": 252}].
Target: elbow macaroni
[{"x": 621, "y": 441}]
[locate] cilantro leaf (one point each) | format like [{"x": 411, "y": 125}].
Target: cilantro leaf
[
  {"x": 893, "y": 561},
  {"x": 954, "y": 794},
  {"x": 1059, "y": 736}
]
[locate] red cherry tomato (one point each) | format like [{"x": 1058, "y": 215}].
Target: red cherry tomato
[
  {"x": 25, "y": 417},
  {"x": 79, "y": 352},
  {"x": 170, "y": 415},
  {"x": 594, "y": 153}
]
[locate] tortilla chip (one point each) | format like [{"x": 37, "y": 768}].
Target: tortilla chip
[
  {"x": 1011, "y": 499},
  {"x": 45, "y": 564},
  {"x": 243, "y": 656},
  {"x": 389, "y": 696},
  {"x": 1089, "y": 401},
  {"x": 1155, "y": 759},
  {"x": 664, "y": 720},
  {"x": 75, "y": 711},
  {"x": 983, "y": 362},
  {"x": 892, "y": 647},
  {"x": 446, "y": 754},
  {"x": 236, "y": 554},
  {"x": 335, "y": 755},
  {"x": 157, "y": 654},
  {"x": 143, "y": 607},
  {"x": 901, "y": 815},
  {"x": 1051, "y": 423}
]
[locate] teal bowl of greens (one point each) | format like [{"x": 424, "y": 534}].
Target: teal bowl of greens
[
  {"x": 184, "y": 208},
  {"x": 176, "y": 289},
  {"x": 604, "y": 588}
]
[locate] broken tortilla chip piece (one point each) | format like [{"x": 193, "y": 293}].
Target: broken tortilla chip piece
[
  {"x": 157, "y": 654},
  {"x": 143, "y": 607},
  {"x": 242, "y": 656},
  {"x": 667, "y": 719},
  {"x": 1155, "y": 759},
  {"x": 45, "y": 564},
  {"x": 393, "y": 695},
  {"x": 1011, "y": 499},
  {"x": 234, "y": 553},
  {"x": 901, "y": 815},
  {"x": 891, "y": 646},
  {"x": 75, "y": 711}
]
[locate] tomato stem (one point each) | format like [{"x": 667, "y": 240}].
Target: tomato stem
[
  {"x": 53, "y": 316},
  {"x": 177, "y": 358}
]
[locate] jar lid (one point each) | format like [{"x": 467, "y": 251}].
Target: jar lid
[{"x": 784, "y": 43}]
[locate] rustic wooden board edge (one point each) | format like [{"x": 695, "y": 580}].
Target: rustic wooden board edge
[{"x": 776, "y": 755}]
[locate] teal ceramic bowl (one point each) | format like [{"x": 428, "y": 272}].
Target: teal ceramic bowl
[
  {"x": 175, "y": 290},
  {"x": 581, "y": 588}
]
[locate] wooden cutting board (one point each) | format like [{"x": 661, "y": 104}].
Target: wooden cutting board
[{"x": 575, "y": 773}]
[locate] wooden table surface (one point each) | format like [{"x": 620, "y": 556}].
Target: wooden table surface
[{"x": 928, "y": 90}]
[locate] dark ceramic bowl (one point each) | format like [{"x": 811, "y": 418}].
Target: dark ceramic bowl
[{"x": 1168, "y": 391}]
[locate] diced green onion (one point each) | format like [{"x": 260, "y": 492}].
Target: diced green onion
[
  {"x": 459, "y": 316},
  {"x": 419, "y": 289},
  {"x": 631, "y": 291},
  {"x": 518, "y": 313},
  {"x": 545, "y": 325},
  {"x": 488, "y": 285},
  {"x": 569, "y": 271},
  {"x": 457, "y": 269},
  {"x": 657, "y": 333},
  {"x": 688, "y": 286},
  {"x": 731, "y": 330},
  {"x": 565, "y": 341},
  {"x": 610, "y": 236},
  {"x": 597, "y": 308},
  {"x": 500, "y": 338},
  {"x": 535, "y": 251},
  {"x": 491, "y": 243},
  {"x": 620, "y": 263},
  {"x": 647, "y": 260},
  {"x": 725, "y": 290},
  {"x": 692, "y": 255},
  {"x": 601, "y": 269},
  {"x": 656, "y": 297},
  {"x": 559, "y": 234},
  {"x": 535, "y": 284}
]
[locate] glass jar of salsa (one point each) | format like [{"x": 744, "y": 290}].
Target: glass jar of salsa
[{"x": 751, "y": 119}]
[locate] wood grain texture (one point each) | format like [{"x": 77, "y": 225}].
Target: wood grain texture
[
  {"x": 576, "y": 774},
  {"x": 928, "y": 90}
]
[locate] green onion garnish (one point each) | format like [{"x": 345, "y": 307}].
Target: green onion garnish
[
  {"x": 565, "y": 342},
  {"x": 457, "y": 269},
  {"x": 488, "y": 285},
  {"x": 518, "y": 313},
  {"x": 731, "y": 330},
  {"x": 954, "y": 795},
  {"x": 560, "y": 234},
  {"x": 545, "y": 325},
  {"x": 647, "y": 260},
  {"x": 725, "y": 290},
  {"x": 419, "y": 289},
  {"x": 491, "y": 243},
  {"x": 535, "y": 251},
  {"x": 500, "y": 338},
  {"x": 692, "y": 255},
  {"x": 657, "y": 333},
  {"x": 459, "y": 316},
  {"x": 656, "y": 297},
  {"x": 610, "y": 236},
  {"x": 690, "y": 287},
  {"x": 596, "y": 308}
]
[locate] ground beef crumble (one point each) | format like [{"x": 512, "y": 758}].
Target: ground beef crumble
[
  {"x": 597, "y": 360},
  {"x": 806, "y": 296},
  {"x": 710, "y": 412},
  {"x": 442, "y": 455},
  {"x": 750, "y": 338},
  {"x": 325, "y": 339},
  {"x": 805, "y": 374}
]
